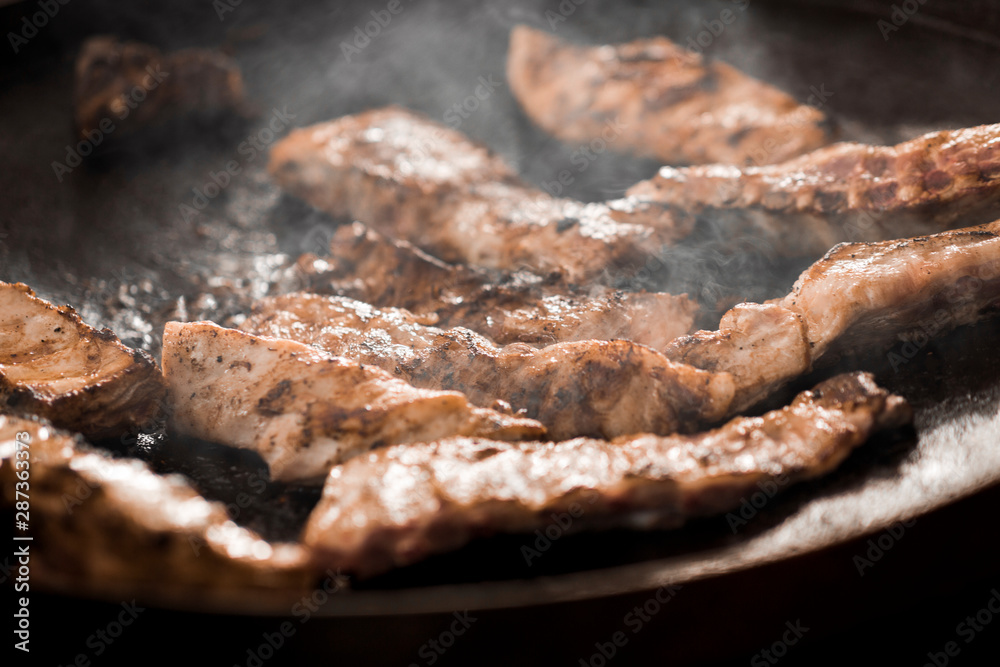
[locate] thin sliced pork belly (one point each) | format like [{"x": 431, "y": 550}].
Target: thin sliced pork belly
[
  {"x": 858, "y": 296},
  {"x": 81, "y": 379},
  {"x": 304, "y": 410},
  {"x": 507, "y": 308},
  {"x": 110, "y": 523},
  {"x": 594, "y": 388},
  {"x": 400, "y": 505},
  {"x": 657, "y": 99},
  {"x": 414, "y": 179},
  {"x": 845, "y": 192}
]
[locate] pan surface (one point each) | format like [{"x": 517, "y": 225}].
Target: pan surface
[{"x": 112, "y": 238}]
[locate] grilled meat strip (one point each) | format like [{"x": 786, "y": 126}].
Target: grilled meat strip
[
  {"x": 82, "y": 379},
  {"x": 401, "y": 505},
  {"x": 594, "y": 388},
  {"x": 109, "y": 523},
  {"x": 844, "y": 192},
  {"x": 414, "y": 179},
  {"x": 304, "y": 410},
  {"x": 508, "y": 308},
  {"x": 656, "y": 99},
  {"x": 130, "y": 86},
  {"x": 857, "y": 296}
]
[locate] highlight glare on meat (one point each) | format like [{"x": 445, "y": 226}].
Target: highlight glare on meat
[
  {"x": 304, "y": 410},
  {"x": 81, "y": 379},
  {"x": 400, "y": 505},
  {"x": 654, "y": 98},
  {"x": 858, "y": 296},
  {"x": 414, "y": 179},
  {"x": 844, "y": 192},
  {"x": 113, "y": 524},
  {"x": 594, "y": 388},
  {"x": 507, "y": 308}
]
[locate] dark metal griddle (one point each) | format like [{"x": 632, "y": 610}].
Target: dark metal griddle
[{"x": 111, "y": 240}]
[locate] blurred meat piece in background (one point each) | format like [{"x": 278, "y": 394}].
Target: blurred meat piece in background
[
  {"x": 664, "y": 101},
  {"x": 122, "y": 88}
]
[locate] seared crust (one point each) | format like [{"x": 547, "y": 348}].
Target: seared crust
[
  {"x": 110, "y": 523},
  {"x": 507, "y": 308},
  {"x": 81, "y": 379},
  {"x": 583, "y": 388},
  {"x": 403, "y": 504},
  {"x": 656, "y": 99},
  {"x": 305, "y": 410},
  {"x": 193, "y": 81},
  {"x": 859, "y": 295},
  {"x": 845, "y": 192},
  {"x": 414, "y": 179}
]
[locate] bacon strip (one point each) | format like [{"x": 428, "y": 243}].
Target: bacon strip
[
  {"x": 844, "y": 192},
  {"x": 594, "y": 388},
  {"x": 403, "y": 504},
  {"x": 859, "y": 295},
  {"x": 304, "y": 410}
]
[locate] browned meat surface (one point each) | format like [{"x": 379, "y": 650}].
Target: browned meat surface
[
  {"x": 304, "y": 410},
  {"x": 82, "y": 379},
  {"x": 112, "y": 524},
  {"x": 656, "y": 99},
  {"x": 403, "y": 504},
  {"x": 594, "y": 388},
  {"x": 858, "y": 296},
  {"x": 507, "y": 308},
  {"x": 126, "y": 86},
  {"x": 414, "y": 179},
  {"x": 845, "y": 192}
]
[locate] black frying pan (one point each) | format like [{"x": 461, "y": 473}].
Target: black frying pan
[{"x": 110, "y": 239}]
